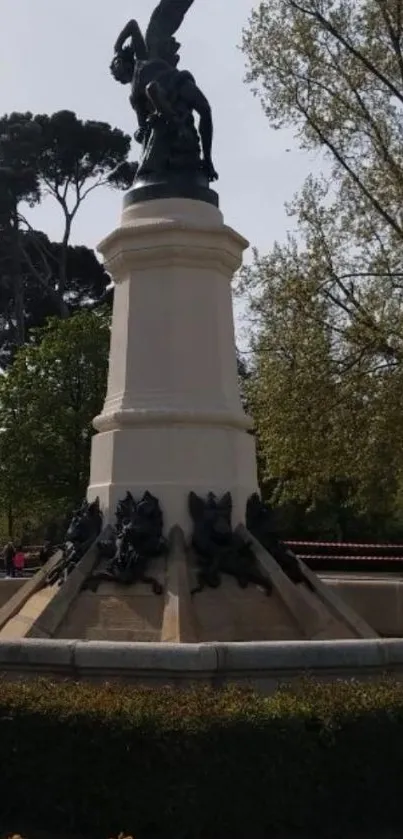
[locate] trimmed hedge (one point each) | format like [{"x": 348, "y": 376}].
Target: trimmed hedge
[{"x": 201, "y": 764}]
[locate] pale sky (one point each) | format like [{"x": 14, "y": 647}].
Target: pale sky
[{"x": 55, "y": 55}]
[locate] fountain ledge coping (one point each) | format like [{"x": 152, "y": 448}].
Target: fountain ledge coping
[{"x": 211, "y": 662}]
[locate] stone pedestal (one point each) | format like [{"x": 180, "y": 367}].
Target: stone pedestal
[{"x": 172, "y": 420}]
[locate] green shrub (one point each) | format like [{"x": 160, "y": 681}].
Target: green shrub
[{"x": 202, "y": 764}]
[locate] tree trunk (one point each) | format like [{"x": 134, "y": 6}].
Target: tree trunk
[
  {"x": 10, "y": 522},
  {"x": 18, "y": 280},
  {"x": 63, "y": 268}
]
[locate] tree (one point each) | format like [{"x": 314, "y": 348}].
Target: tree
[
  {"x": 326, "y": 442},
  {"x": 48, "y": 400},
  {"x": 76, "y": 158},
  {"x": 86, "y": 284},
  {"x": 332, "y": 70},
  {"x": 86, "y": 278},
  {"x": 18, "y": 182},
  {"x": 291, "y": 389},
  {"x": 67, "y": 158}
]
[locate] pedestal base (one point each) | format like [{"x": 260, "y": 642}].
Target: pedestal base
[
  {"x": 173, "y": 421},
  {"x": 191, "y": 185},
  {"x": 171, "y": 462}
]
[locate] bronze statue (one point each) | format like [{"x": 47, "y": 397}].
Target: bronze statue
[
  {"x": 83, "y": 530},
  {"x": 138, "y": 538},
  {"x": 165, "y": 99},
  {"x": 219, "y": 550},
  {"x": 259, "y": 522}
]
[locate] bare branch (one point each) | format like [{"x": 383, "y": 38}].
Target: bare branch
[
  {"x": 349, "y": 47},
  {"x": 346, "y": 166},
  {"x": 394, "y": 34}
]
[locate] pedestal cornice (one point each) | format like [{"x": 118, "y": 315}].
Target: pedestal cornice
[
  {"x": 132, "y": 417},
  {"x": 166, "y": 243}
]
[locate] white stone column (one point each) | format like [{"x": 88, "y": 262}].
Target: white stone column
[{"x": 173, "y": 419}]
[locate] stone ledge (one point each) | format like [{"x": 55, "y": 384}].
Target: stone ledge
[
  {"x": 122, "y": 263},
  {"x": 265, "y": 664},
  {"x": 304, "y": 656},
  {"x": 168, "y": 658},
  {"x": 170, "y": 230},
  {"x": 36, "y": 653},
  {"x": 145, "y": 417}
]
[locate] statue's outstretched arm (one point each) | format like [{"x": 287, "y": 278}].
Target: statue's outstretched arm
[{"x": 133, "y": 31}]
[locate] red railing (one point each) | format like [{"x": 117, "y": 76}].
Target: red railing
[{"x": 350, "y": 556}]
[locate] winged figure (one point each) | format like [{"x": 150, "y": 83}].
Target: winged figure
[{"x": 164, "y": 97}]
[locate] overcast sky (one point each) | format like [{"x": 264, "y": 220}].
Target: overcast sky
[{"x": 55, "y": 54}]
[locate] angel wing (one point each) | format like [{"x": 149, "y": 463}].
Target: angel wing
[{"x": 165, "y": 21}]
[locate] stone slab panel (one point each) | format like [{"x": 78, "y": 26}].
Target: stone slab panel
[
  {"x": 339, "y": 607},
  {"x": 230, "y": 613},
  {"x": 313, "y": 618},
  {"x": 117, "y": 613},
  {"x": 379, "y": 602},
  {"x": 54, "y": 612}
]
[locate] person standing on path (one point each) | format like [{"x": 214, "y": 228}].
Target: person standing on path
[
  {"x": 19, "y": 561},
  {"x": 8, "y": 558}
]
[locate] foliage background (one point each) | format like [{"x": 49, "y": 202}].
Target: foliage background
[{"x": 325, "y": 383}]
